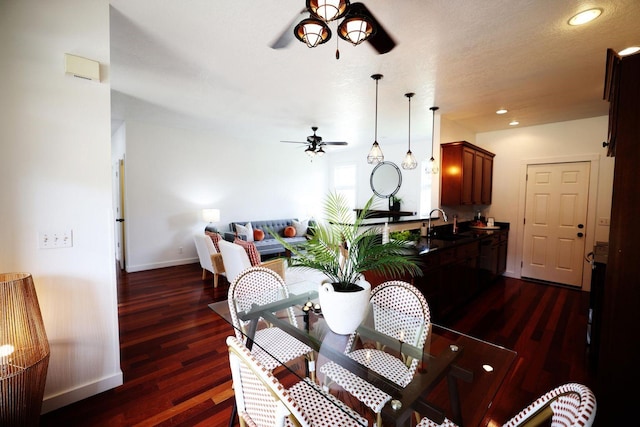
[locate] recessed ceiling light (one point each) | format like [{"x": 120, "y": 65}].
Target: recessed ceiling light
[
  {"x": 629, "y": 50},
  {"x": 514, "y": 123},
  {"x": 585, "y": 16},
  {"x": 501, "y": 111},
  {"x": 487, "y": 368}
]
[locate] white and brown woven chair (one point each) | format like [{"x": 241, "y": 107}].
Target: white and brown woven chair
[
  {"x": 400, "y": 311},
  {"x": 262, "y": 400},
  {"x": 210, "y": 258},
  {"x": 569, "y": 405},
  {"x": 272, "y": 346}
]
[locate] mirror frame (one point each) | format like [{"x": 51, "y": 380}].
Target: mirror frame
[{"x": 377, "y": 169}]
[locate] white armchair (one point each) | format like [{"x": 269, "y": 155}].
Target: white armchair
[
  {"x": 236, "y": 260},
  {"x": 210, "y": 259}
]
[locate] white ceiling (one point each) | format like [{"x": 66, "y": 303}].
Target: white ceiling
[{"x": 208, "y": 64}]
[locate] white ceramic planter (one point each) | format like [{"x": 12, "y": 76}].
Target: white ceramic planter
[{"x": 344, "y": 311}]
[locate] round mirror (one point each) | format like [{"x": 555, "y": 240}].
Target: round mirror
[{"x": 386, "y": 179}]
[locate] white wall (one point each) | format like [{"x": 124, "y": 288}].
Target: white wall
[
  {"x": 172, "y": 174},
  {"x": 578, "y": 139},
  {"x": 55, "y": 173}
]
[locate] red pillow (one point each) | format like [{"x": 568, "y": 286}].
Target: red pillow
[
  {"x": 252, "y": 252},
  {"x": 289, "y": 231},
  {"x": 258, "y": 234}
]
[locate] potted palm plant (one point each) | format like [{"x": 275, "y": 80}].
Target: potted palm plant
[{"x": 343, "y": 247}]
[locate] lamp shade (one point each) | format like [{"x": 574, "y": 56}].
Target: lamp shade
[
  {"x": 24, "y": 351},
  {"x": 211, "y": 215}
]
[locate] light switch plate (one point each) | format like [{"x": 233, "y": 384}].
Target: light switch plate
[{"x": 55, "y": 239}]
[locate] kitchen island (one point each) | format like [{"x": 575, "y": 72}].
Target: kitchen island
[{"x": 456, "y": 267}]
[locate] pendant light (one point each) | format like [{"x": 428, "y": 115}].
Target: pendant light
[
  {"x": 375, "y": 154},
  {"x": 433, "y": 167},
  {"x": 409, "y": 161}
]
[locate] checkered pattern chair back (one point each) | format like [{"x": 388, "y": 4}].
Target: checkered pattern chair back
[
  {"x": 255, "y": 285},
  {"x": 569, "y": 405},
  {"x": 261, "y": 399}
]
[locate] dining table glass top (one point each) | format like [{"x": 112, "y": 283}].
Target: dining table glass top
[{"x": 457, "y": 375}]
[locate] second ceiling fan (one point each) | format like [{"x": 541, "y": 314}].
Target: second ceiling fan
[{"x": 315, "y": 143}]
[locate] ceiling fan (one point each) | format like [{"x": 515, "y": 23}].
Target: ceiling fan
[
  {"x": 315, "y": 143},
  {"x": 379, "y": 39}
]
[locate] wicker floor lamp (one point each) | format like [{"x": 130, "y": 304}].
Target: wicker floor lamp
[{"x": 24, "y": 351}]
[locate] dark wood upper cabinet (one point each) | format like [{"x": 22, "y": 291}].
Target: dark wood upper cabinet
[
  {"x": 617, "y": 367},
  {"x": 466, "y": 174}
]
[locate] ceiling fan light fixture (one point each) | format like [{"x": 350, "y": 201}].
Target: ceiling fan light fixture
[
  {"x": 312, "y": 32},
  {"x": 328, "y": 10},
  {"x": 409, "y": 161},
  {"x": 310, "y": 152},
  {"x": 375, "y": 155},
  {"x": 320, "y": 152},
  {"x": 356, "y": 26}
]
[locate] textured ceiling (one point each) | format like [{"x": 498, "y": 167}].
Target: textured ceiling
[{"x": 207, "y": 64}]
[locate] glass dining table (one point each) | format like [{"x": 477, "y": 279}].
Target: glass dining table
[{"x": 457, "y": 377}]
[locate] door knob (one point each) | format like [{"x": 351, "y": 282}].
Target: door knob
[
  {"x": 580, "y": 234},
  {"x": 580, "y": 225}
]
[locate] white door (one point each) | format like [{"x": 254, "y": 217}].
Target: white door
[
  {"x": 118, "y": 198},
  {"x": 555, "y": 216}
]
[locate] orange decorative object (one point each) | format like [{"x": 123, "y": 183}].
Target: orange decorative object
[
  {"x": 258, "y": 234},
  {"x": 289, "y": 231}
]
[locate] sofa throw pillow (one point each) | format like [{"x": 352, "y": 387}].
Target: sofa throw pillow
[
  {"x": 301, "y": 227},
  {"x": 247, "y": 230},
  {"x": 258, "y": 235},
  {"x": 289, "y": 231},
  {"x": 215, "y": 237},
  {"x": 252, "y": 251}
]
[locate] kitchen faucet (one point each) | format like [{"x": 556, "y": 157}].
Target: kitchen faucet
[{"x": 444, "y": 217}]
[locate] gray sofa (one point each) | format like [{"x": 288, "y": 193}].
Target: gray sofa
[{"x": 269, "y": 245}]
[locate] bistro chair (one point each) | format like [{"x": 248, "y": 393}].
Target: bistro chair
[
  {"x": 401, "y": 312},
  {"x": 569, "y": 405},
  {"x": 273, "y": 346},
  {"x": 262, "y": 400}
]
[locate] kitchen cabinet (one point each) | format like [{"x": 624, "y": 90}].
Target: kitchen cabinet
[
  {"x": 466, "y": 174},
  {"x": 492, "y": 261}
]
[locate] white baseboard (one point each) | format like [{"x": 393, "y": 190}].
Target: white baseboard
[
  {"x": 154, "y": 265},
  {"x": 50, "y": 403}
]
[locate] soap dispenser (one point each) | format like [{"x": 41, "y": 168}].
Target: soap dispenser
[{"x": 423, "y": 230}]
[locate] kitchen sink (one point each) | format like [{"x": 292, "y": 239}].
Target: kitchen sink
[{"x": 451, "y": 237}]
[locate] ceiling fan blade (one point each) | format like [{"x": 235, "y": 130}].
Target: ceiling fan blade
[
  {"x": 286, "y": 36},
  {"x": 333, "y": 143},
  {"x": 296, "y": 142},
  {"x": 381, "y": 40}
]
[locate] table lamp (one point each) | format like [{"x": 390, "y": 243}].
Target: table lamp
[
  {"x": 211, "y": 216},
  {"x": 24, "y": 351}
]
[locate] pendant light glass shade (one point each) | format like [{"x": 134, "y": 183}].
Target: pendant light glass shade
[
  {"x": 409, "y": 161},
  {"x": 312, "y": 31},
  {"x": 375, "y": 154},
  {"x": 432, "y": 167},
  {"x": 328, "y": 10}
]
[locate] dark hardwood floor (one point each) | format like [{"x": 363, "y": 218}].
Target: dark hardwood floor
[{"x": 175, "y": 364}]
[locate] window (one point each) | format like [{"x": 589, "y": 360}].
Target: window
[
  {"x": 426, "y": 187},
  {"x": 344, "y": 182}
]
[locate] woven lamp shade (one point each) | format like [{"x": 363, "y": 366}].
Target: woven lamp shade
[{"x": 24, "y": 351}]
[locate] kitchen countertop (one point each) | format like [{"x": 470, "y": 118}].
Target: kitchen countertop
[{"x": 443, "y": 238}]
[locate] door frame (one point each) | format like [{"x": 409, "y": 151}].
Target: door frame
[{"x": 590, "y": 225}]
